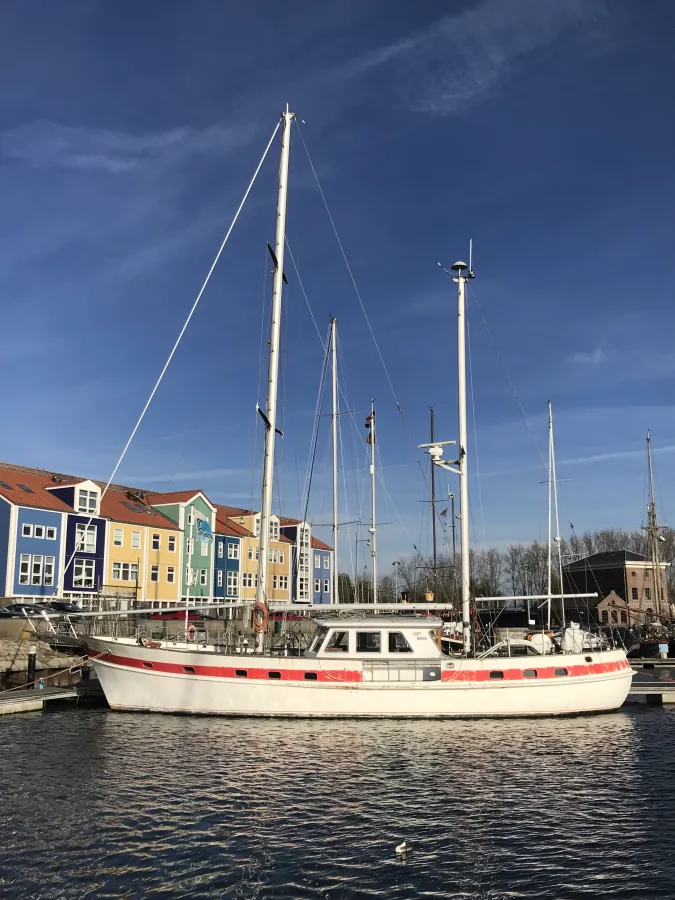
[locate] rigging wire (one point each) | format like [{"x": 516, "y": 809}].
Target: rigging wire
[
  {"x": 360, "y": 299},
  {"x": 181, "y": 333}
]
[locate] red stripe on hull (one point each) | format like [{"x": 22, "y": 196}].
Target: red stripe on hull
[{"x": 473, "y": 675}]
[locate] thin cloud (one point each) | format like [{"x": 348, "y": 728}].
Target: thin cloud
[
  {"x": 45, "y": 144},
  {"x": 462, "y": 57},
  {"x": 592, "y": 358}
]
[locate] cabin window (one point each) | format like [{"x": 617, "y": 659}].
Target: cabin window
[
  {"x": 318, "y": 639},
  {"x": 339, "y": 642},
  {"x": 147, "y": 665},
  {"x": 529, "y": 673},
  {"x": 189, "y": 669},
  {"x": 588, "y": 658},
  {"x": 274, "y": 674},
  {"x": 496, "y": 675},
  {"x": 604, "y": 618},
  {"x": 398, "y": 643},
  {"x": 560, "y": 672},
  {"x": 310, "y": 676},
  {"x": 368, "y": 641},
  {"x": 241, "y": 673}
]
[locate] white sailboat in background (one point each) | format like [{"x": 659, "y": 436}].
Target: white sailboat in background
[{"x": 391, "y": 666}]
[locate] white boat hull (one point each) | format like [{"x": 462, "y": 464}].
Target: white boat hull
[{"x": 194, "y": 681}]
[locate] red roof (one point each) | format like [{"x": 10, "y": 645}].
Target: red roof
[
  {"x": 226, "y": 525},
  {"x": 116, "y": 505},
  {"x": 284, "y": 520},
  {"x": 11, "y": 479},
  {"x": 156, "y": 497},
  {"x": 316, "y": 544}
]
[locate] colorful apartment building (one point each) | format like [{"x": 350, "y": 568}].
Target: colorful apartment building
[
  {"x": 279, "y": 563},
  {"x": 195, "y": 516},
  {"x": 229, "y": 539},
  {"x": 322, "y": 567},
  {"x": 298, "y": 534}
]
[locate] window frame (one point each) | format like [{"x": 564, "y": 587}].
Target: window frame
[
  {"x": 156, "y": 541},
  {"x": 171, "y": 542},
  {"x": 26, "y": 530},
  {"x": 135, "y": 540},
  {"x": 367, "y": 634},
  {"x": 154, "y": 571},
  {"x": 170, "y": 574},
  {"x": 52, "y": 529},
  {"x": 118, "y": 533}
]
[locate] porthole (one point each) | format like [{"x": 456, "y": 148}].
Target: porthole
[
  {"x": 560, "y": 672},
  {"x": 588, "y": 658},
  {"x": 496, "y": 675},
  {"x": 189, "y": 669},
  {"x": 147, "y": 665},
  {"x": 241, "y": 673},
  {"x": 310, "y": 676},
  {"x": 529, "y": 673},
  {"x": 274, "y": 674}
]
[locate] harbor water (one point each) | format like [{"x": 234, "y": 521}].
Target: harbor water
[{"x": 107, "y": 805}]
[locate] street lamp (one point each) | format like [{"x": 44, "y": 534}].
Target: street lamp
[{"x": 396, "y": 564}]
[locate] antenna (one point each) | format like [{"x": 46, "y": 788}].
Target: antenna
[{"x": 471, "y": 256}]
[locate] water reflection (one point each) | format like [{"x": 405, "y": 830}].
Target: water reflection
[{"x": 149, "y": 806}]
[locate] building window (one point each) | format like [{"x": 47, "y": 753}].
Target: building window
[
  {"x": 246, "y": 579},
  {"x": 188, "y": 575},
  {"x": 634, "y": 593},
  {"x": 274, "y": 582},
  {"x": 85, "y": 538},
  {"x": 282, "y": 557},
  {"x": 624, "y": 618},
  {"x": 86, "y": 501},
  {"x": 172, "y": 543},
  {"x": 204, "y": 547},
  {"x": 317, "y": 561},
  {"x": 39, "y": 531},
  {"x": 220, "y": 550},
  {"x": 154, "y": 573},
  {"x": 317, "y": 585},
  {"x": 232, "y": 550},
  {"x": 24, "y": 568},
  {"x": 647, "y": 593},
  {"x": 303, "y": 588},
  {"x": 326, "y": 562},
  {"x": 304, "y": 537},
  {"x": 125, "y": 571},
  {"x": 189, "y": 518},
  {"x": 220, "y": 577},
  {"x": 156, "y": 541},
  {"x": 118, "y": 539},
  {"x": 283, "y": 582},
  {"x": 49, "y": 570},
  {"x": 135, "y": 540},
  {"x": 615, "y": 617},
  {"x": 171, "y": 574},
  {"x": 202, "y": 576},
  {"x": 604, "y": 618},
  {"x": 326, "y": 586},
  {"x": 36, "y": 570},
  {"x": 232, "y": 584},
  {"x": 273, "y": 554},
  {"x": 83, "y": 573},
  {"x": 51, "y": 533},
  {"x": 256, "y": 526},
  {"x": 26, "y": 531},
  {"x": 274, "y": 530},
  {"x": 188, "y": 547}
]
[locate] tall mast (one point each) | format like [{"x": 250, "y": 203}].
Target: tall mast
[
  {"x": 557, "y": 520},
  {"x": 462, "y": 276},
  {"x": 333, "y": 343},
  {"x": 373, "y": 527},
  {"x": 550, "y": 497},
  {"x": 433, "y": 497},
  {"x": 653, "y": 533},
  {"x": 273, "y": 371}
]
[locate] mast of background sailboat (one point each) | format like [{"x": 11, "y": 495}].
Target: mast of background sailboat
[
  {"x": 333, "y": 342},
  {"x": 273, "y": 371},
  {"x": 653, "y": 533},
  {"x": 557, "y": 539},
  {"x": 373, "y": 527},
  {"x": 462, "y": 276},
  {"x": 549, "y": 591},
  {"x": 432, "y": 438}
]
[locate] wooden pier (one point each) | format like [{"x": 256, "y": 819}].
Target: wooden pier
[{"x": 34, "y": 699}]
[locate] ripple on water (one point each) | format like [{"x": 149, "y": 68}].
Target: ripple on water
[{"x": 105, "y": 805}]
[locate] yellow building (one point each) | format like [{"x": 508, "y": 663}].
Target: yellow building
[
  {"x": 279, "y": 565},
  {"x": 144, "y": 552}
]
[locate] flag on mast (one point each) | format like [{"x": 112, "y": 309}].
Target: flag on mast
[{"x": 370, "y": 421}]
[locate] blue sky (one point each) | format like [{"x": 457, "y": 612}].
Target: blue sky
[{"x": 543, "y": 130}]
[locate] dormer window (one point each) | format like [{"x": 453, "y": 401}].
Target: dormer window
[
  {"x": 256, "y": 526},
  {"x": 274, "y": 530},
  {"x": 87, "y": 501}
]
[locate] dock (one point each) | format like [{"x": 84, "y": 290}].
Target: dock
[{"x": 32, "y": 700}]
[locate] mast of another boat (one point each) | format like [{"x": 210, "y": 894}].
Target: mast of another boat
[
  {"x": 557, "y": 539},
  {"x": 373, "y": 526},
  {"x": 432, "y": 438},
  {"x": 653, "y": 532},
  {"x": 333, "y": 343},
  {"x": 550, "y": 497},
  {"x": 270, "y": 417},
  {"x": 463, "y": 274}
]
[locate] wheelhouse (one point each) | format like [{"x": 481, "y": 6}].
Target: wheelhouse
[{"x": 381, "y": 637}]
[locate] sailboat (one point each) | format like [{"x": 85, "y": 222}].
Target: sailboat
[{"x": 364, "y": 666}]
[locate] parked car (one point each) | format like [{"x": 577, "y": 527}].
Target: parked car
[
  {"x": 63, "y": 606},
  {"x": 32, "y": 609},
  {"x": 5, "y": 613}
]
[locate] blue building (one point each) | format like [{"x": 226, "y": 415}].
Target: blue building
[
  {"x": 85, "y": 538},
  {"x": 322, "y": 572},
  {"x": 227, "y": 556}
]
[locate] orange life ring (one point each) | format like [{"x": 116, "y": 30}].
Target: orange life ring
[
  {"x": 260, "y": 617},
  {"x": 191, "y": 632}
]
